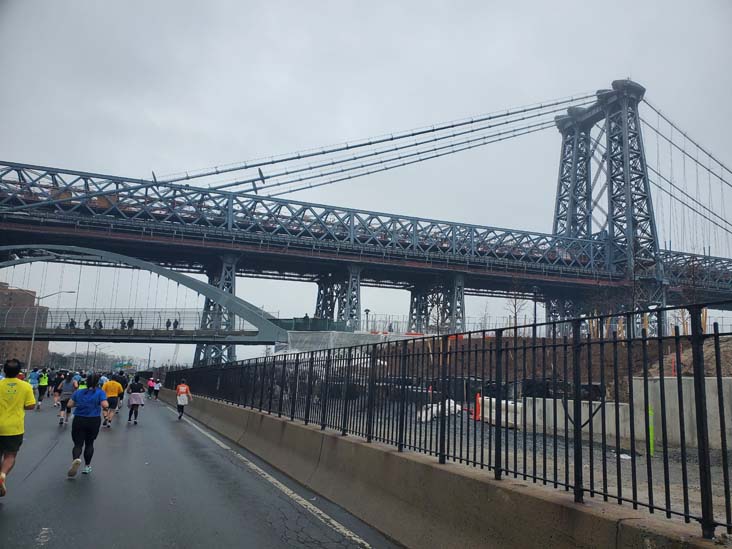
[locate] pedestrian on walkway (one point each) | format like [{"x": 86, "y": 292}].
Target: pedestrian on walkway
[
  {"x": 89, "y": 404},
  {"x": 156, "y": 388},
  {"x": 183, "y": 397},
  {"x": 113, "y": 389},
  {"x": 136, "y": 390},
  {"x": 16, "y": 396},
  {"x": 67, "y": 389}
]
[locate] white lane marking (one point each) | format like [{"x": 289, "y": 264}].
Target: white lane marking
[{"x": 320, "y": 515}]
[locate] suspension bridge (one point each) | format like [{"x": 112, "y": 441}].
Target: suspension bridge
[{"x": 605, "y": 252}]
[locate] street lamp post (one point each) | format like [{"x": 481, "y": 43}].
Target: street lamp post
[
  {"x": 367, "y": 311},
  {"x": 535, "y": 291},
  {"x": 94, "y": 361},
  {"x": 35, "y": 321}
]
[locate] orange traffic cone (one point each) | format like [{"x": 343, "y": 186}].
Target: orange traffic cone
[{"x": 476, "y": 412}]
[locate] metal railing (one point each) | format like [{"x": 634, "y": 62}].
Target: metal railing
[
  {"x": 622, "y": 408},
  {"x": 114, "y": 319}
]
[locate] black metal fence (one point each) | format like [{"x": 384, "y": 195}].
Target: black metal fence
[{"x": 632, "y": 408}]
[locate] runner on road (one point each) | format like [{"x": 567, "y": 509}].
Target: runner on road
[
  {"x": 16, "y": 396},
  {"x": 42, "y": 386},
  {"x": 150, "y": 387},
  {"x": 183, "y": 397},
  {"x": 58, "y": 379},
  {"x": 89, "y": 404},
  {"x": 66, "y": 390},
  {"x": 156, "y": 388},
  {"x": 113, "y": 390},
  {"x": 33, "y": 379},
  {"x": 136, "y": 390}
]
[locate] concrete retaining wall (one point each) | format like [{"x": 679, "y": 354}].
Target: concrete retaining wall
[
  {"x": 673, "y": 431},
  {"x": 419, "y": 503}
]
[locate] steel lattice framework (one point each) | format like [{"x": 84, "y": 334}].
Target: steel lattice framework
[{"x": 223, "y": 234}]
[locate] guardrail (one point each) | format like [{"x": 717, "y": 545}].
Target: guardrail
[{"x": 622, "y": 408}]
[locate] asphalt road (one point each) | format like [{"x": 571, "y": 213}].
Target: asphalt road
[{"x": 162, "y": 483}]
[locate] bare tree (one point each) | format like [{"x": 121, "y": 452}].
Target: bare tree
[{"x": 515, "y": 305}]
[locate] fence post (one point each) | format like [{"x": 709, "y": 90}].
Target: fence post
[
  {"x": 263, "y": 383},
  {"x": 499, "y": 403},
  {"x": 371, "y": 397},
  {"x": 443, "y": 397},
  {"x": 577, "y": 409},
  {"x": 309, "y": 394},
  {"x": 702, "y": 429},
  {"x": 325, "y": 390},
  {"x": 402, "y": 394},
  {"x": 282, "y": 385},
  {"x": 293, "y": 396},
  {"x": 349, "y": 364}
]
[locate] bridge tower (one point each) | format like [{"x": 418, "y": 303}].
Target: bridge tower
[
  {"x": 609, "y": 132},
  {"x": 222, "y": 275}
]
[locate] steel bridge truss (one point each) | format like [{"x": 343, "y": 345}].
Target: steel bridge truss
[
  {"x": 620, "y": 249},
  {"x": 100, "y": 201}
]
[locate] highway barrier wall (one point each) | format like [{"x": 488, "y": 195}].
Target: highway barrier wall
[
  {"x": 534, "y": 413},
  {"x": 419, "y": 503}
]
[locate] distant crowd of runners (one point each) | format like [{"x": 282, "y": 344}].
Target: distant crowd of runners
[{"x": 93, "y": 399}]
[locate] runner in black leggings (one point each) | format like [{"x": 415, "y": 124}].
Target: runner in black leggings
[{"x": 88, "y": 404}]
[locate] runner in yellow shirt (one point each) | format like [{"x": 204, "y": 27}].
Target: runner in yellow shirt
[
  {"x": 113, "y": 389},
  {"x": 16, "y": 396}
]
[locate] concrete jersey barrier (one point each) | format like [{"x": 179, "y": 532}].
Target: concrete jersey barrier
[{"x": 420, "y": 503}]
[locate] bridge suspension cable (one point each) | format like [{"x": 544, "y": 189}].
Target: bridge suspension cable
[
  {"x": 369, "y": 142},
  {"x": 272, "y": 179},
  {"x": 686, "y": 172},
  {"x": 421, "y": 156}
]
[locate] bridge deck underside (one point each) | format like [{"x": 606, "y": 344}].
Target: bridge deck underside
[
  {"x": 191, "y": 249},
  {"x": 271, "y": 258}
]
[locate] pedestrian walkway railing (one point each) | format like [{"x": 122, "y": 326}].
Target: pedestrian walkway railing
[
  {"x": 99, "y": 320},
  {"x": 627, "y": 408}
]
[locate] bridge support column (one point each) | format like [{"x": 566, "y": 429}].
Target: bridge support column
[
  {"x": 349, "y": 298},
  {"x": 215, "y": 317},
  {"x": 419, "y": 309},
  {"x": 443, "y": 302},
  {"x": 328, "y": 288},
  {"x": 452, "y": 312}
]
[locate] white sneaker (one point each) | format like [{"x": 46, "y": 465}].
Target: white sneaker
[{"x": 74, "y": 468}]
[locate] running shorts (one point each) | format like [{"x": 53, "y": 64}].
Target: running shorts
[
  {"x": 112, "y": 402},
  {"x": 10, "y": 443}
]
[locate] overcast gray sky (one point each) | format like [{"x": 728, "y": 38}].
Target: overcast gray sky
[{"x": 130, "y": 87}]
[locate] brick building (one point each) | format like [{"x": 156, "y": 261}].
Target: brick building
[{"x": 17, "y": 298}]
